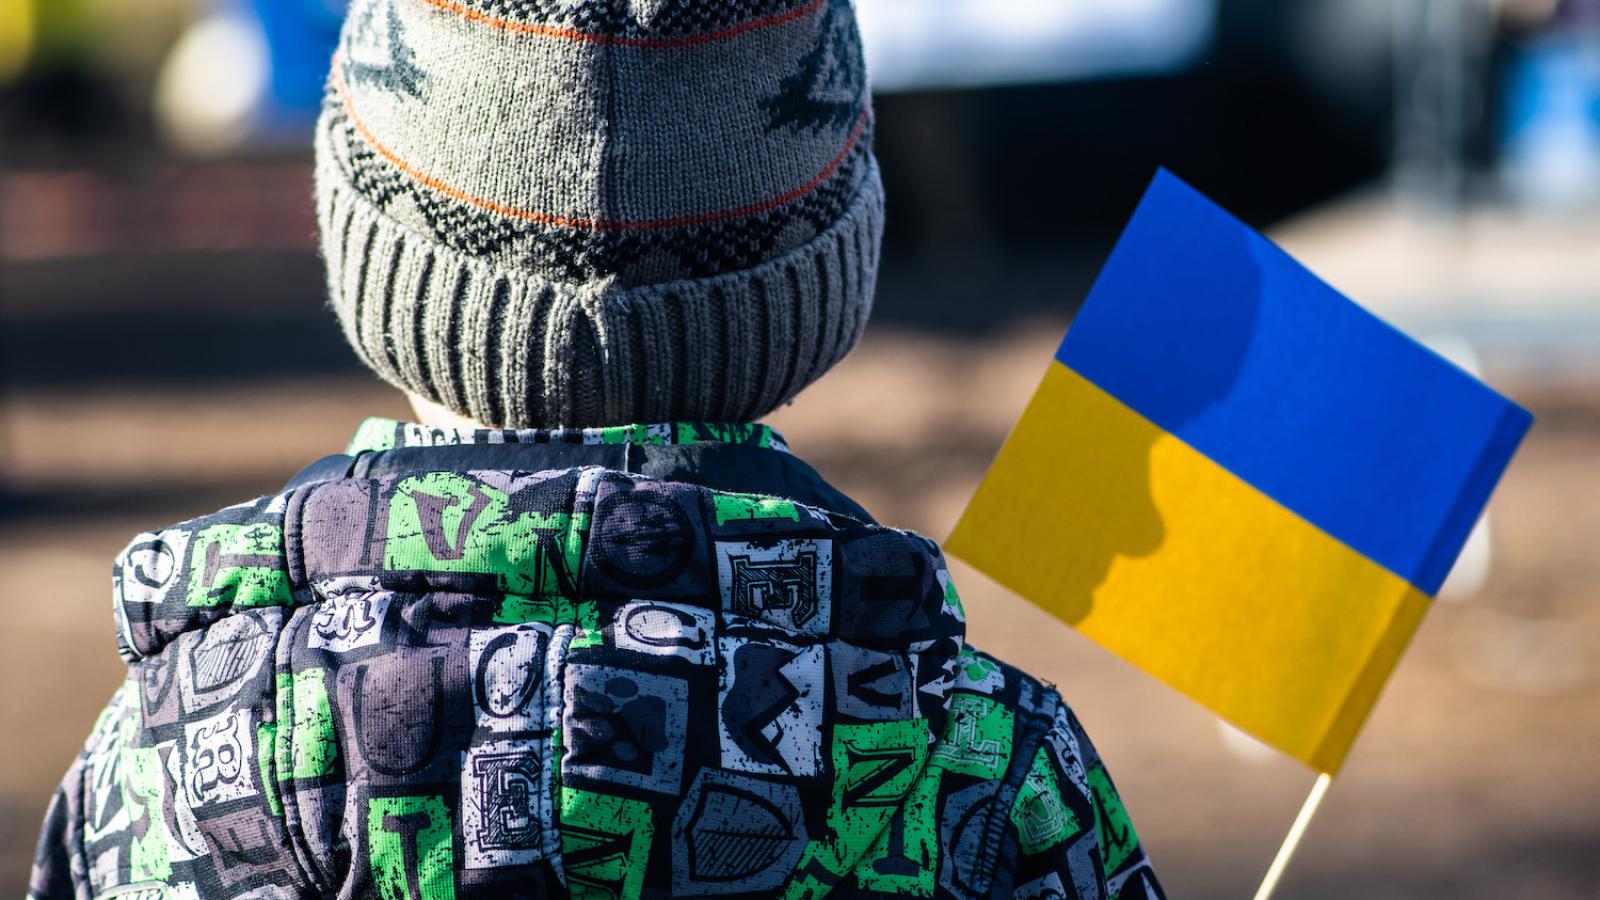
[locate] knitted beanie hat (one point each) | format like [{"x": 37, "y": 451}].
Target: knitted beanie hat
[{"x": 546, "y": 213}]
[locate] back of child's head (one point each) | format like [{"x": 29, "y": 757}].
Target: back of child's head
[{"x": 588, "y": 212}]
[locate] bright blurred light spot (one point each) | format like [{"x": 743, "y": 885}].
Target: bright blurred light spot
[
  {"x": 211, "y": 90},
  {"x": 1471, "y": 571},
  {"x": 913, "y": 44},
  {"x": 1243, "y": 746},
  {"x": 1472, "y": 567}
]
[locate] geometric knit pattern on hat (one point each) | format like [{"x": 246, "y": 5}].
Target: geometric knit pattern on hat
[{"x": 546, "y": 213}]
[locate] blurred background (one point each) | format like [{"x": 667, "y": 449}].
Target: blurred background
[{"x": 164, "y": 351}]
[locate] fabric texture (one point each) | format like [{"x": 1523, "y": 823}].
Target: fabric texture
[
  {"x": 546, "y": 214},
  {"x": 529, "y": 681}
]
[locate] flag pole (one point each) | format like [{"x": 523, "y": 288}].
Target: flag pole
[{"x": 1292, "y": 841}]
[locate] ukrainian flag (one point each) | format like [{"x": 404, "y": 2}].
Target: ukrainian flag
[{"x": 1238, "y": 480}]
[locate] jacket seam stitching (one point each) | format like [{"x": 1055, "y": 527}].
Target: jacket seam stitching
[
  {"x": 294, "y": 558},
  {"x": 76, "y": 831},
  {"x": 293, "y": 821}
]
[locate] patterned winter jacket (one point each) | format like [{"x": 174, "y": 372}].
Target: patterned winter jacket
[{"x": 625, "y": 662}]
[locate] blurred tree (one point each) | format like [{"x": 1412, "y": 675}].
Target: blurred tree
[
  {"x": 60, "y": 29},
  {"x": 75, "y": 75},
  {"x": 16, "y": 38}
]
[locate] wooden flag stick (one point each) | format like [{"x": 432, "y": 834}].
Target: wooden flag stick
[{"x": 1292, "y": 841}]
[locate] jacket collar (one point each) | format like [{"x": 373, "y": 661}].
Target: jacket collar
[
  {"x": 726, "y": 457},
  {"x": 379, "y": 434}
]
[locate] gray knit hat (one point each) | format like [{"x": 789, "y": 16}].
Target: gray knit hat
[{"x": 597, "y": 212}]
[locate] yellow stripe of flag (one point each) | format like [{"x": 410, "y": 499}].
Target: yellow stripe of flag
[{"x": 1159, "y": 554}]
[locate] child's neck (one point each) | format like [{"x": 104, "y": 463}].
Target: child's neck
[{"x": 431, "y": 413}]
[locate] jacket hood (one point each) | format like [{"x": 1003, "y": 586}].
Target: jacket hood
[
  {"x": 636, "y": 642},
  {"x": 548, "y": 545}
]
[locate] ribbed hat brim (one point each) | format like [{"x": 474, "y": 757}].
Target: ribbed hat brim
[{"x": 515, "y": 349}]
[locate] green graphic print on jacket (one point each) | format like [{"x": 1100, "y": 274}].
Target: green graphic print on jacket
[{"x": 456, "y": 664}]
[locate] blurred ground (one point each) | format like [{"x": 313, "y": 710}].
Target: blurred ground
[{"x": 1476, "y": 777}]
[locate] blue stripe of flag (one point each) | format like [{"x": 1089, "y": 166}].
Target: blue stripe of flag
[{"x": 1220, "y": 338}]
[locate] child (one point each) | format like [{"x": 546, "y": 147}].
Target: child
[{"x": 565, "y": 654}]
